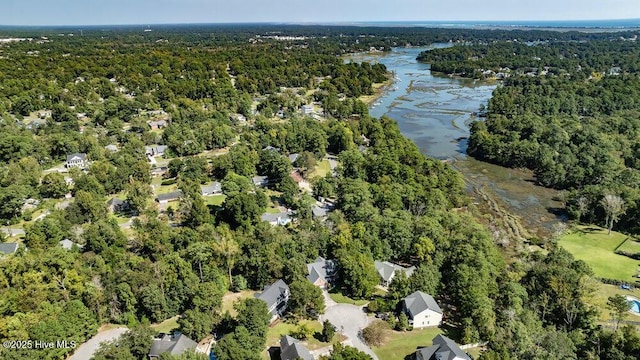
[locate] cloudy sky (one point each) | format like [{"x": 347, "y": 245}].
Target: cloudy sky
[{"x": 102, "y": 12}]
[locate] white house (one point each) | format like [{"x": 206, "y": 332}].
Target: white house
[
  {"x": 276, "y": 296},
  {"x": 214, "y": 188},
  {"x": 307, "y": 109},
  {"x": 422, "y": 310},
  {"x": 76, "y": 160},
  {"x": 388, "y": 271}
]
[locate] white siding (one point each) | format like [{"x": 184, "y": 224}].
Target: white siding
[{"x": 427, "y": 318}]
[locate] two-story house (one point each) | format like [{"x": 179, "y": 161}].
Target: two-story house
[{"x": 276, "y": 296}]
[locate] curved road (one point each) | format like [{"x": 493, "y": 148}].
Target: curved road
[
  {"x": 86, "y": 350},
  {"x": 349, "y": 320}
]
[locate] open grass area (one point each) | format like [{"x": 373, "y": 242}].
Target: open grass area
[
  {"x": 321, "y": 169},
  {"x": 231, "y": 298},
  {"x": 596, "y": 248},
  {"x": 401, "y": 344},
  {"x": 342, "y": 299},
  {"x": 166, "y": 326},
  {"x": 630, "y": 246},
  {"x": 602, "y": 292},
  {"x": 272, "y": 210},
  {"x": 214, "y": 200}
]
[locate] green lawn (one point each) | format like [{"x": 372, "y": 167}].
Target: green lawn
[
  {"x": 339, "y": 298},
  {"x": 630, "y": 246},
  {"x": 231, "y": 298},
  {"x": 401, "y": 344},
  {"x": 602, "y": 292},
  {"x": 321, "y": 169},
  {"x": 166, "y": 326},
  {"x": 272, "y": 210},
  {"x": 214, "y": 200},
  {"x": 596, "y": 248}
]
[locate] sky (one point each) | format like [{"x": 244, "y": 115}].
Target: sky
[{"x": 115, "y": 12}]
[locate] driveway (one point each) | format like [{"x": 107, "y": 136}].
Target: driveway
[
  {"x": 86, "y": 350},
  {"x": 349, "y": 320}
]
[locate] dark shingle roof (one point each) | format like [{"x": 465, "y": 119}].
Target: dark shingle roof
[
  {"x": 80, "y": 156},
  {"x": 386, "y": 270},
  {"x": 443, "y": 349},
  {"x": 169, "y": 196},
  {"x": 174, "y": 344},
  {"x": 271, "y": 293},
  {"x": 318, "y": 269},
  {"x": 419, "y": 302},
  {"x": 8, "y": 248},
  {"x": 291, "y": 349}
]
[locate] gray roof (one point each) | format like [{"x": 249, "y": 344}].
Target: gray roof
[
  {"x": 111, "y": 147},
  {"x": 294, "y": 157},
  {"x": 272, "y": 293},
  {"x": 115, "y": 202},
  {"x": 291, "y": 349},
  {"x": 215, "y": 187},
  {"x": 174, "y": 344},
  {"x": 156, "y": 149},
  {"x": 320, "y": 211},
  {"x": 80, "y": 156},
  {"x": 386, "y": 270},
  {"x": 318, "y": 269},
  {"x": 8, "y": 248},
  {"x": 280, "y": 218},
  {"x": 68, "y": 244},
  {"x": 419, "y": 302},
  {"x": 443, "y": 349},
  {"x": 260, "y": 180},
  {"x": 169, "y": 196}
]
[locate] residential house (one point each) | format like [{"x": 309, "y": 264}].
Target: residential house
[
  {"x": 321, "y": 210},
  {"x": 159, "y": 171},
  {"x": 422, "y": 310},
  {"x": 168, "y": 197},
  {"x": 78, "y": 160},
  {"x": 117, "y": 205},
  {"x": 239, "y": 119},
  {"x": 307, "y": 109},
  {"x": 174, "y": 344},
  {"x": 214, "y": 189},
  {"x": 8, "y": 248},
  {"x": 292, "y": 349},
  {"x": 322, "y": 273},
  {"x": 443, "y": 348},
  {"x": 30, "y": 204},
  {"x": 260, "y": 181},
  {"x": 293, "y": 157},
  {"x": 157, "y": 124},
  {"x": 155, "y": 150},
  {"x": 68, "y": 244},
  {"x": 276, "y": 297},
  {"x": 281, "y": 219},
  {"x": 387, "y": 271}
]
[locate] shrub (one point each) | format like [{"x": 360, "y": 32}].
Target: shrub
[
  {"x": 328, "y": 331},
  {"x": 376, "y": 334}
]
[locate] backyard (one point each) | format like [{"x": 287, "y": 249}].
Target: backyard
[{"x": 592, "y": 245}]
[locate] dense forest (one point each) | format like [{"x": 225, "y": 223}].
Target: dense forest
[{"x": 391, "y": 202}]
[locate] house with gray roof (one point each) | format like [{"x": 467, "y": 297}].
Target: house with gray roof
[
  {"x": 387, "y": 271},
  {"x": 443, "y": 348},
  {"x": 168, "y": 197},
  {"x": 292, "y": 349},
  {"x": 214, "y": 188},
  {"x": 281, "y": 219},
  {"x": 422, "y": 310},
  {"x": 174, "y": 344},
  {"x": 117, "y": 205},
  {"x": 112, "y": 147},
  {"x": 293, "y": 157},
  {"x": 276, "y": 296},
  {"x": 68, "y": 244},
  {"x": 322, "y": 273},
  {"x": 260, "y": 181},
  {"x": 8, "y": 248},
  {"x": 76, "y": 160},
  {"x": 158, "y": 124},
  {"x": 155, "y": 150}
]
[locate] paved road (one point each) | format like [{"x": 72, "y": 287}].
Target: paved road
[
  {"x": 349, "y": 320},
  {"x": 86, "y": 350}
]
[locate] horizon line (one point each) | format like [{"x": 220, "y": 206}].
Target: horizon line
[{"x": 334, "y": 23}]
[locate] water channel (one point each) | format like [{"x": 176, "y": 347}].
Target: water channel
[{"x": 435, "y": 111}]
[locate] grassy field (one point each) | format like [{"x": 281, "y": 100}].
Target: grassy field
[
  {"x": 166, "y": 326},
  {"x": 339, "y": 298},
  {"x": 602, "y": 292},
  {"x": 230, "y": 298},
  {"x": 214, "y": 200},
  {"x": 596, "y": 248},
  {"x": 321, "y": 169},
  {"x": 401, "y": 344},
  {"x": 630, "y": 246}
]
